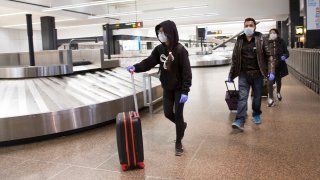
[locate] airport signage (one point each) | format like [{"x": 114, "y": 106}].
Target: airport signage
[
  {"x": 313, "y": 14},
  {"x": 299, "y": 30},
  {"x": 127, "y": 25}
]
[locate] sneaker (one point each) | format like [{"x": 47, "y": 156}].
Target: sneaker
[
  {"x": 279, "y": 96},
  {"x": 238, "y": 124},
  {"x": 185, "y": 127},
  {"x": 270, "y": 102},
  {"x": 179, "y": 149},
  {"x": 257, "y": 119}
]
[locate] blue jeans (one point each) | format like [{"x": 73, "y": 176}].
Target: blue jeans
[{"x": 245, "y": 82}]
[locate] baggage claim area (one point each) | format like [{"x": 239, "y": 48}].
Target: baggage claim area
[{"x": 76, "y": 103}]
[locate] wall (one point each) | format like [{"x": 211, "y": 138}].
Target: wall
[
  {"x": 15, "y": 40},
  {"x": 185, "y": 32}
]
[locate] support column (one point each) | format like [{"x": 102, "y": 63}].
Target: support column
[
  {"x": 30, "y": 39},
  {"x": 48, "y": 33},
  {"x": 312, "y": 35},
  {"x": 108, "y": 42},
  {"x": 294, "y": 16},
  {"x": 285, "y": 31}
]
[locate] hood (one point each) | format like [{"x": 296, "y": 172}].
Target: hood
[{"x": 170, "y": 29}]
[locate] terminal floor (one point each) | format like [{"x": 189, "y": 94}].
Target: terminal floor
[{"x": 285, "y": 146}]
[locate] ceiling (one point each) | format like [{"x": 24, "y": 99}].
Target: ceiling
[{"x": 150, "y": 12}]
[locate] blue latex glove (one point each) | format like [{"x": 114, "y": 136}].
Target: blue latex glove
[
  {"x": 183, "y": 98},
  {"x": 283, "y": 58},
  {"x": 271, "y": 77},
  {"x": 229, "y": 79},
  {"x": 131, "y": 69}
]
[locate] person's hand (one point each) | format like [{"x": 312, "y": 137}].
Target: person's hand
[
  {"x": 271, "y": 76},
  {"x": 230, "y": 80},
  {"x": 131, "y": 69},
  {"x": 283, "y": 58},
  {"x": 183, "y": 98}
]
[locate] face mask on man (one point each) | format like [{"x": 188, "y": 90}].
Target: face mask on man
[
  {"x": 273, "y": 36},
  {"x": 249, "y": 31},
  {"x": 162, "y": 37}
]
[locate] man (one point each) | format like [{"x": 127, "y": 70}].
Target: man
[
  {"x": 251, "y": 61},
  {"x": 175, "y": 76}
]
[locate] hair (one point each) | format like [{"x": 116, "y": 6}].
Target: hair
[
  {"x": 250, "y": 19},
  {"x": 275, "y": 30}
]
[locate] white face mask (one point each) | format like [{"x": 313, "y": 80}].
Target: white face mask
[
  {"x": 249, "y": 31},
  {"x": 162, "y": 37},
  {"x": 273, "y": 36}
]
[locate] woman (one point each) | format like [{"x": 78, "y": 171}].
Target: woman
[
  {"x": 175, "y": 76},
  {"x": 280, "y": 53}
]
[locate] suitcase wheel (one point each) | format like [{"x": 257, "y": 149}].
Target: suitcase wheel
[
  {"x": 141, "y": 165},
  {"x": 124, "y": 167}
]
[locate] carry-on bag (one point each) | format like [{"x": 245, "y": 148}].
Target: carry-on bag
[
  {"x": 129, "y": 137},
  {"x": 232, "y": 97}
]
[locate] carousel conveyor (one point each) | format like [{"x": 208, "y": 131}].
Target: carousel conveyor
[
  {"x": 44, "y": 106},
  {"x": 209, "y": 60}
]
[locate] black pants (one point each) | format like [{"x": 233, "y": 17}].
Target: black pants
[
  {"x": 277, "y": 81},
  {"x": 171, "y": 100}
]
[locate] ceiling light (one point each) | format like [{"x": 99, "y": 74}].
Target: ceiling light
[
  {"x": 183, "y": 17},
  {"x": 190, "y": 7},
  {"x": 224, "y": 22},
  {"x": 115, "y": 14},
  {"x": 96, "y": 3},
  {"x": 12, "y": 14},
  {"x": 36, "y": 23},
  {"x": 68, "y": 27}
]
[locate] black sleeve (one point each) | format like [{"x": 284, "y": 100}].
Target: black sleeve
[
  {"x": 186, "y": 71},
  {"x": 284, "y": 48},
  {"x": 234, "y": 60},
  {"x": 148, "y": 63}
]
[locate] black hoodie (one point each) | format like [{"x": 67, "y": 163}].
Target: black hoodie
[{"x": 179, "y": 76}]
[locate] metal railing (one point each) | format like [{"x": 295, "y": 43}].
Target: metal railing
[
  {"x": 147, "y": 91},
  {"x": 304, "y": 64}
]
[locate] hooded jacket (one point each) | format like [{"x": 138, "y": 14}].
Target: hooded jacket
[
  {"x": 264, "y": 57},
  {"x": 278, "y": 48},
  {"x": 179, "y": 76}
]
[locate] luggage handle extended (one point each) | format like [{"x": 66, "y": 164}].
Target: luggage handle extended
[
  {"x": 228, "y": 87},
  {"x": 134, "y": 93}
]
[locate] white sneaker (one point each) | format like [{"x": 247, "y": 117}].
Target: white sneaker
[
  {"x": 279, "y": 96},
  {"x": 270, "y": 102}
]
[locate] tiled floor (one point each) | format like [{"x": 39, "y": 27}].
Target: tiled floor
[{"x": 285, "y": 146}]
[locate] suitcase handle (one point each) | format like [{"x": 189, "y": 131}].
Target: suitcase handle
[
  {"x": 134, "y": 93},
  {"x": 228, "y": 87}
]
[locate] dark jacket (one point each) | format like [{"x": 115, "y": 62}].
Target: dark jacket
[
  {"x": 265, "y": 60},
  {"x": 278, "y": 48},
  {"x": 179, "y": 76}
]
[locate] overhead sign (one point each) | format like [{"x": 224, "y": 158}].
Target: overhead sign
[
  {"x": 299, "y": 30},
  {"x": 313, "y": 14},
  {"x": 215, "y": 32},
  {"x": 127, "y": 25}
]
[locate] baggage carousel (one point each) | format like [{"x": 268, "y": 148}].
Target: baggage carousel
[
  {"x": 208, "y": 60},
  {"x": 85, "y": 97},
  {"x": 42, "y": 106}
]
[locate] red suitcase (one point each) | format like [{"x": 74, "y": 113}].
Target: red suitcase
[
  {"x": 232, "y": 97},
  {"x": 129, "y": 137}
]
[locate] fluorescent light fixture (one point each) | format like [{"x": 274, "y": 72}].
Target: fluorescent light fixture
[
  {"x": 182, "y": 17},
  {"x": 224, "y": 22},
  {"x": 12, "y": 14},
  {"x": 115, "y": 14},
  {"x": 190, "y": 7},
  {"x": 69, "y": 27},
  {"x": 95, "y": 3},
  {"x": 36, "y": 23}
]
